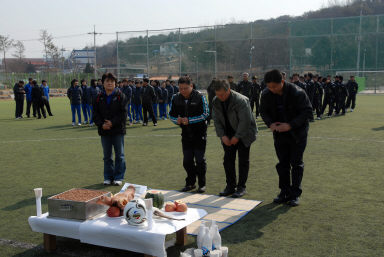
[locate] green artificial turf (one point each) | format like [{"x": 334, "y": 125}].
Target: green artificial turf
[{"x": 342, "y": 206}]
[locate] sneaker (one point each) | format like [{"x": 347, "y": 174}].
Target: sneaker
[
  {"x": 155, "y": 124},
  {"x": 318, "y": 118},
  {"x": 107, "y": 182},
  {"x": 145, "y": 124},
  {"x": 352, "y": 110},
  {"x": 188, "y": 188},
  {"x": 117, "y": 183},
  {"x": 130, "y": 123},
  {"x": 73, "y": 124},
  {"x": 201, "y": 190},
  {"x": 85, "y": 122},
  {"x": 165, "y": 118},
  {"x": 91, "y": 124},
  {"x": 79, "y": 124}
]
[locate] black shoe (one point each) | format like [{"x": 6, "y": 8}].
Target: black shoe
[
  {"x": 188, "y": 188},
  {"x": 145, "y": 124},
  {"x": 281, "y": 198},
  {"x": 240, "y": 192},
  {"x": 201, "y": 190},
  {"x": 39, "y": 117},
  {"x": 227, "y": 192},
  {"x": 155, "y": 124},
  {"x": 294, "y": 202},
  {"x": 51, "y": 114},
  {"x": 28, "y": 116}
]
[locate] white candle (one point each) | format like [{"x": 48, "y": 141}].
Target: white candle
[{"x": 38, "y": 195}]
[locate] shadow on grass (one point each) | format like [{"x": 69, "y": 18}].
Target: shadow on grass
[
  {"x": 71, "y": 247},
  {"x": 249, "y": 227},
  {"x": 378, "y": 129},
  {"x": 24, "y": 203}
]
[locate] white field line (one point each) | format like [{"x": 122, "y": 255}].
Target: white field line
[{"x": 177, "y": 135}]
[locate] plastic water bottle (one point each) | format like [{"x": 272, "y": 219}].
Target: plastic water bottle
[
  {"x": 216, "y": 238},
  {"x": 207, "y": 241},
  {"x": 200, "y": 235},
  {"x": 212, "y": 228}
]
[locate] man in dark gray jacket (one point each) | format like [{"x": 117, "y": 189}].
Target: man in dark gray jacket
[{"x": 236, "y": 127}]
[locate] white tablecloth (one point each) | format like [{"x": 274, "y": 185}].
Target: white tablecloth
[{"x": 115, "y": 232}]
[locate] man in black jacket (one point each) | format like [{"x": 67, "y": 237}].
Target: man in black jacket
[
  {"x": 37, "y": 99},
  {"x": 286, "y": 110},
  {"x": 341, "y": 95},
  {"x": 110, "y": 116},
  {"x": 190, "y": 111},
  {"x": 255, "y": 96},
  {"x": 148, "y": 97},
  {"x": 19, "y": 93},
  {"x": 353, "y": 88},
  {"x": 245, "y": 86}
]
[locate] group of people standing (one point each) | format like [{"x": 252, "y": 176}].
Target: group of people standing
[
  {"x": 286, "y": 108},
  {"x": 37, "y": 97},
  {"x": 145, "y": 99}
]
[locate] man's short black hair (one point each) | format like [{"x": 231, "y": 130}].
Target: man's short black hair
[
  {"x": 43, "y": 81},
  {"x": 108, "y": 76},
  {"x": 221, "y": 84},
  {"x": 73, "y": 82},
  {"x": 273, "y": 76},
  {"x": 341, "y": 78},
  {"x": 21, "y": 82},
  {"x": 30, "y": 79},
  {"x": 230, "y": 77},
  {"x": 352, "y": 76},
  {"x": 310, "y": 75},
  {"x": 184, "y": 80},
  {"x": 146, "y": 80}
]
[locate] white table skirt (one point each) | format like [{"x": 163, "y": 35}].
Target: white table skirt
[{"x": 115, "y": 232}]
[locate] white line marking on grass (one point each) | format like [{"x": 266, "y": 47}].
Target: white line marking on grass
[{"x": 162, "y": 135}]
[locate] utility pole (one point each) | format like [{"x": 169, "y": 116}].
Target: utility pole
[
  {"x": 117, "y": 56},
  {"x": 94, "y": 46},
  {"x": 62, "y": 58},
  {"x": 359, "y": 42}
]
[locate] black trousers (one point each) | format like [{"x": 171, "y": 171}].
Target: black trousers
[
  {"x": 330, "y": 102},
  {"x": 29, "y": 104},
  {"x": 19, "y": 107},
  {"x": 340, "y": 105},
  {"x": 194, "y": 160},
  {"x": 256, "y": 102},
  {"x": 39, "y": 106},
  {"x": 351, "y": 99},
  {"x": 291, "y": 166},
  {"x": 317, "y": 105},
  {"x": 47, "y": 106},
  {"x": 230, "y": 164},
  {"x": 148, "y": 108}
]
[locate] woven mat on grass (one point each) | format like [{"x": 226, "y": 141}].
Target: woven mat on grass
[{"x": 225, "y": 211}]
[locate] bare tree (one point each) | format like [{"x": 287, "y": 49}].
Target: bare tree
[
  {"x": 19, "y": 50},
  {"x": 45, "y": 38},
  {"x": 50, "y": 49},
  {"x": 5, "y": 45}
]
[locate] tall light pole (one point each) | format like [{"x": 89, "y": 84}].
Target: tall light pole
[
  {"x": 250, "y": 59},
  {"x": 94, "y": 48},
  {"x": 215, "y": 54},
  {"x": 197, "y": 69}
]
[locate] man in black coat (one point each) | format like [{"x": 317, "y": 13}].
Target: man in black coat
[
  {"x": 37, "y": 99},
  {"x": 110, "y": 116},
  {"x": 19, "y": 93},
  {"x": 245, "y": 86},
  {"x": 190, "y": 111},
  {"x": 341, "y": 95},
  {"x": 353, "y": 89},
  {"x": 286, "y": 110},
  {"x": 255, "y": 96},
  {"x": 148, "y": 97}
]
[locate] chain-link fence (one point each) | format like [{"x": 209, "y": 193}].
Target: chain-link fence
[{"x": 351, "y": 45}]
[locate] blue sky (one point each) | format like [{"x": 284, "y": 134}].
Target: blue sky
[{"x": 23, "y": 19}]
